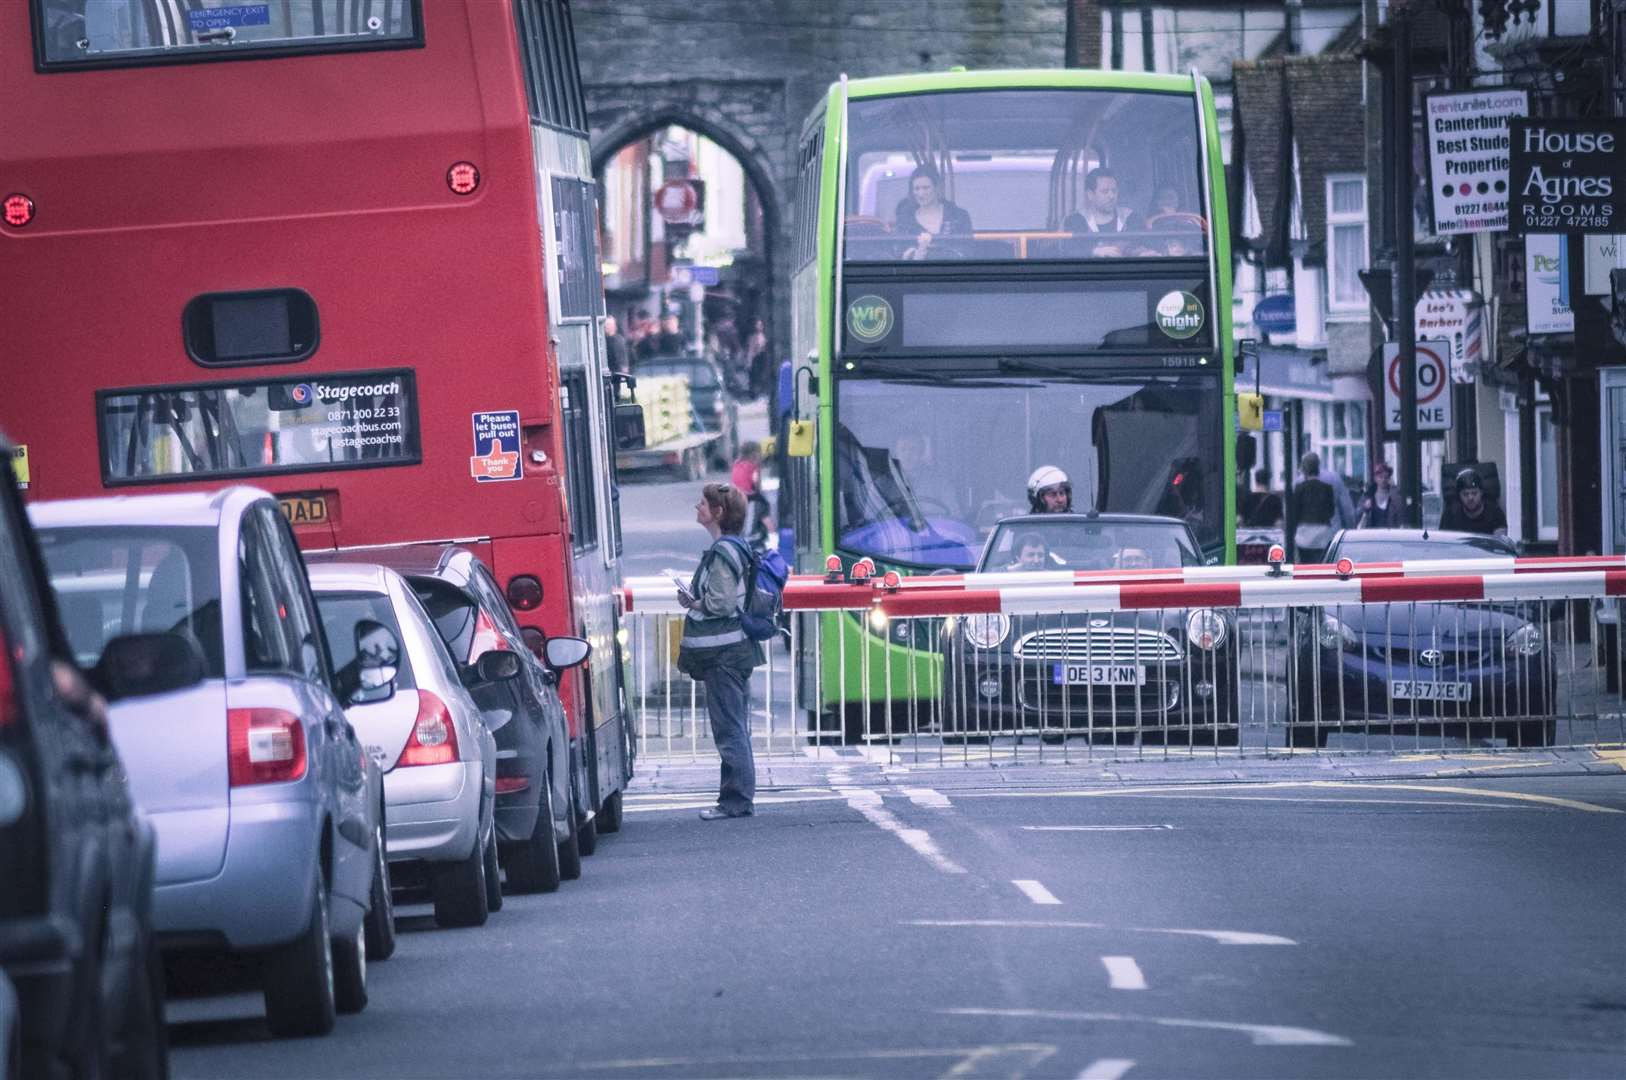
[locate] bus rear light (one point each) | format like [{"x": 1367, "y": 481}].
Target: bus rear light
[
  {"x": 463, "y": 178},
  {"x": 19, "y": 210},
  {"x": 524, "y": 593},
  {"x": 433, "y": 740},
  {"x": 10, "y": 709},
  {"x": 264, "y": 746}
]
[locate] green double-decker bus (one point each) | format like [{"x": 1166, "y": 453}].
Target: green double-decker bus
[{"x": 998, "y": 272}]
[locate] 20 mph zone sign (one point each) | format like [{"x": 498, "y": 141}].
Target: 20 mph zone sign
[{"x": 1433, "y": 386}]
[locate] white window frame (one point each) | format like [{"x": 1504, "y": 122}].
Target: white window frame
[
  {"x": 1545, "y": 529},
  {"x": 1323, "y": 441},
  {"x": 1344, "y": 220}
]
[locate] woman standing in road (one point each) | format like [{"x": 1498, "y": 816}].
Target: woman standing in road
[{"x": 715, "y": 650}]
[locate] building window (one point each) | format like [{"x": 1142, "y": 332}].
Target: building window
[
  {"x": 1346, "y": 242},
  {"x": 1339, "y": 439},
  {"x": 1546, "y": 475}
]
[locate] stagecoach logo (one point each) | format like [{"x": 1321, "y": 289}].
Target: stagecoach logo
[
  {"x": 1179, "y": 314},
  {"x": 301, "y": 394},
  {"x": 869, "y": 318}
]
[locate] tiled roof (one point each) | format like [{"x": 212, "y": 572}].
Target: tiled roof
[{"x": 1318, "y": 100}]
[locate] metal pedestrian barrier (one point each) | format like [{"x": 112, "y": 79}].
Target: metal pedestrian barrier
[{"x": 1498, "y": 654}]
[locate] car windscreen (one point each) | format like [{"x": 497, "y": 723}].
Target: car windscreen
[
  {"x": 1024, "y": 174},
  {"x": 89, "y": 33},
  {"x": 924, "y": 468},
  {"x": 453, "y": 614},
  {"x": 1468, "y": 547},
  {"x": 341, "y": 611},
  {"x": 1086, "y": 545},
  {"x": 260, "y": 427},
  {"x": 700, "y": 376},
  {"x": 116, "y": 580}
]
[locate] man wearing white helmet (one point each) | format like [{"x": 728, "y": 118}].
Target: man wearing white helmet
[{"x": 1049, "y": 491}]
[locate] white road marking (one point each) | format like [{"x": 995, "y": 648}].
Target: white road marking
[
  {"x": 869, "y": 803},
  {"x": 1106, "y": 1069},
  {"x": 1191, "y": 792},
  {"x": 1094, "y": 828},
  {"x": 1036, "y": 892},
  {"x": 698, "y": 802},
  {"x": 1123, "y": 973},
  {"x": 1223, "y": 937},
  {"x": 927, "y": 797},
  {"x": 1261, "y": 1034}
]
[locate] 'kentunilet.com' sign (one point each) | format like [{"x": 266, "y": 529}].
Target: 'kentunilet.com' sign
[{"x": 1566, "y": 176}]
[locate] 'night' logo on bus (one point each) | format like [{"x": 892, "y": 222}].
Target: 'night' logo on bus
[
  {"x": 869, "y": 318},
  {"x": 1179, "y": 314}
]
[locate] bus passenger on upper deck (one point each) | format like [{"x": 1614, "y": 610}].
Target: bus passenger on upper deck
[
  {"x": 1102, "y": 214},
  {"x": 925, "y": 214}
]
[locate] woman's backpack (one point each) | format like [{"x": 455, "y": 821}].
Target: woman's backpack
[{"x": 765, "y": 575}]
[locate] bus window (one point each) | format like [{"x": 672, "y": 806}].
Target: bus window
[
  {"x": 579, "y": 460},
  {"x": 924, "y": 485},
  {"x": 1024, "y": 174},
  {"x": 90, "y": 33},
  {"x": 258, "y": 428}
]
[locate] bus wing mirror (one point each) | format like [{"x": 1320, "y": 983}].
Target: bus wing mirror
[{"x": 629, "y": 426}]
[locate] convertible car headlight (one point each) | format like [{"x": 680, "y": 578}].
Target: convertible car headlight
[
  {"x": 987, "y": 631},
  {"x": 1205, "y": 629},
  {"x": 1525, "y": 641},
  {"x": 1335, "y": 633}
]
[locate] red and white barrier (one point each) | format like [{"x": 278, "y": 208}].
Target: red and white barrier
[{"x": 1062, "y": 591}]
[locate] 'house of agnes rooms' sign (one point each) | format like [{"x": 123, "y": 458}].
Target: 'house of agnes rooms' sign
[{"x": 1566, "y": 176}]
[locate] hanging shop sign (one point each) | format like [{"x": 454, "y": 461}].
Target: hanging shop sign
[
  {"x": 1547, "y": 300},
  {"x": 1567, "y": 176},
  {"x": 1468, "y": 159},
  {"x": 1456, "y": 316}
]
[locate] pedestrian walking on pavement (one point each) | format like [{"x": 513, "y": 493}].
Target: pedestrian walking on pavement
[{"x": 715, "y": 649}]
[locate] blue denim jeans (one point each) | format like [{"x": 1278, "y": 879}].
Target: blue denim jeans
[{"x": 728, "y": 694}]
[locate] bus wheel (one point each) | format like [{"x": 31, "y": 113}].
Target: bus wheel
[{"x": 609, "y": 815}]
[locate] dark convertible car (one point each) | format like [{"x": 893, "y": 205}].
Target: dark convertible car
[
  {"x": 1166, "y": 674},
  {"x": 1469, "y": 670}
]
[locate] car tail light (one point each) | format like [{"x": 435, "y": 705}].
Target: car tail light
[
  {"x": 486, "y": 636},
  {"x": 433, "y": 740},
  {"x": 264, "y": 746},
  {"x": 508, "y": 784},
  {"x": 524, "y": 592}
]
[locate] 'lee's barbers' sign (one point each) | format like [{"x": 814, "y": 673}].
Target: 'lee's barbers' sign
[{"x": 1567, "y": 176}]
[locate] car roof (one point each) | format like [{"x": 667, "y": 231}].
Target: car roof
[
  {"x": 182, "y": 508},
  {"x": 1419, "y": 536},
  {"x": 349, "y": 577}
]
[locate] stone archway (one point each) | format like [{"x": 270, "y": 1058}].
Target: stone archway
[{"x": 745, "y": 120}]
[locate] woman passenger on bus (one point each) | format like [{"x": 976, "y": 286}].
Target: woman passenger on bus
[{"x": 926, "y": 215}]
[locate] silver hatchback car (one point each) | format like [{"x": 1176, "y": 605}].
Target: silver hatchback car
[
  {"x": 268, "y": 812},
  {"x": 430, "y": 738}
]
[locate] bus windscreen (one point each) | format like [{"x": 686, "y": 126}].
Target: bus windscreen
[
  {"x": 89, "y": 33},
  {"x": 994, "y": 175},
  {"x": 258, "y": 428}
]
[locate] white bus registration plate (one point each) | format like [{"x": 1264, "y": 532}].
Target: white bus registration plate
[
  {"x": 1423, "y": 690},
  {"x": 1098, "y": 675}
]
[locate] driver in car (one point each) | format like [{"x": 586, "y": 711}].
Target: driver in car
[{"x": 1032, "y": 553}]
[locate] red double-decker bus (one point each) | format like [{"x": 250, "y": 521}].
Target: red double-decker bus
[{"x": 342, "y": 249}]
